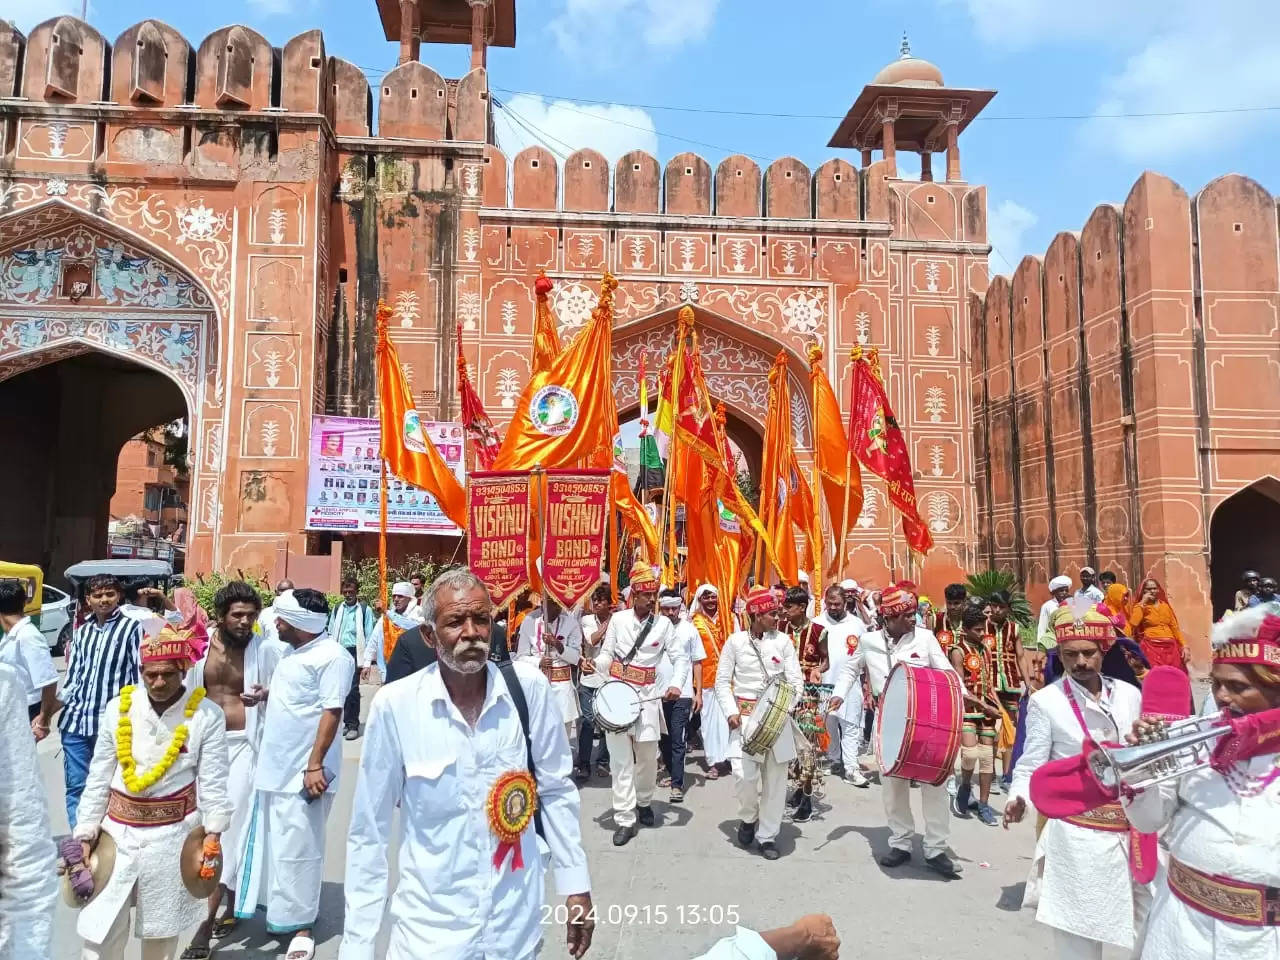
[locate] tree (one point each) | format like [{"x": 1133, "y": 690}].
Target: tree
[{"x": 988, "y": 582}]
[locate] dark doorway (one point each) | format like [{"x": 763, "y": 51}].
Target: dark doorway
[
  {"x": 62, "y": 430},
  {"x": 1242, "y": 536}
]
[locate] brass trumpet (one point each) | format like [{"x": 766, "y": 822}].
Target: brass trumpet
[{"x": 1171, "y": 750}]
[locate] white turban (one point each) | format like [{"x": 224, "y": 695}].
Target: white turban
[
  {"x": 670, "y": 600},
  {"x": 848, "y": 584},
  {"x": 308, "y": 621},
  {"x": 1059, "y": 583},
  {"x": 403, "y": 589},
  {"x": 706, "y": 588}
]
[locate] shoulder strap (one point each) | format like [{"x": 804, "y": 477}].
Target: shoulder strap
[
  {"x": 516, "y": 690},
  {"x": 644, "y": 632}
]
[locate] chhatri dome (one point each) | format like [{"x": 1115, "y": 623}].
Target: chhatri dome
[{"x": 909, "y": 71}]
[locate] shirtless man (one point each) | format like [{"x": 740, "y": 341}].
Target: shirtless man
[{"x": 235, "y": 673}]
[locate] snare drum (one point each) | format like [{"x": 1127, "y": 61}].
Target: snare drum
[
  {"x": 918, "y": 731},
  {"x": 772, "y": 713},
  {"x": 616, "y": 706}
]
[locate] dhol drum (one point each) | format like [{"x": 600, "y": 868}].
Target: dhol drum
[
  {"x": 769, "y": 718},
  {"x": 918, "y": 732},
  {"x": 616, "y": 706}
]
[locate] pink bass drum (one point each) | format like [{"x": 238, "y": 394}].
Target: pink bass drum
[{"x": 918, "y": 730}]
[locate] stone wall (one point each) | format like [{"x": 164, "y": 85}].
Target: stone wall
[{"x": 1127, "y": 388}]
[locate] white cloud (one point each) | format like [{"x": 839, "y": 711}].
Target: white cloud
[
  {"x": 1155, "y": 57},
  {"x": 25, "y": 14},
  {"x": 1007, "y": 222},
  {"x": 600, "y": 29},
  {"x": 563, "y": 127}
]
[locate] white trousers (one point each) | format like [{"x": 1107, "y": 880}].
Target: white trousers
[
  {"x": 635, "y": 772},
  {"x": 762, "y": 793},
  {"x": 845, "y": 737},
  {"x": 117, "y": 938},
  {"x": 897, "y": 808}
]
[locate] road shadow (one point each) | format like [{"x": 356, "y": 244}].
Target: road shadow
[
  {"x": 665, "y": 815},
  {"x": 251, "y": 939},
  {"x": 878, "y": 845},
  {"x": 785, "y": 841}
]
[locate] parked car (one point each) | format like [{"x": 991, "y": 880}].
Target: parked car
[{"x": 55, "y": 618}]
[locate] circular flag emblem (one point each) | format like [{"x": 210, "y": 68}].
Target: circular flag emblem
[
  {"x": 414, "y": 438},
  {"x": 553, "y": 411}
]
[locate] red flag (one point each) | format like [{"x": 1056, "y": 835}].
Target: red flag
[
  {"x": 484, "y": 435},
  {"x": 878, "y": 444}
]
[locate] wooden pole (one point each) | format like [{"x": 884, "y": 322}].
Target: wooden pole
[
  {"x": 819, "y": 541},
  {"x": 668, "y": 531},
  {"x": 382, "y": 537}
]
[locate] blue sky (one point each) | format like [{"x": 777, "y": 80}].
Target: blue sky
[{"x": 1089, "y": 59}]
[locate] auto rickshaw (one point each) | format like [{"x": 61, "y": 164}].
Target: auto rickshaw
[
  {"x": 132, "y": 574},
  {"x": 33, "y": 579}
]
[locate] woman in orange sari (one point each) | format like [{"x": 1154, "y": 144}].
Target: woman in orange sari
[
  {"x": 1115, "y": 607},
  {"x": 1155, "y": 627}
]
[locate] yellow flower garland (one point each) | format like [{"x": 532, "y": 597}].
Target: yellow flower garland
[{"x": 124, "y": 743}]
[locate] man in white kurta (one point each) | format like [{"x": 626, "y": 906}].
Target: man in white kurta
[
  {"x": 712, "y": 724},
  {"x": 750, "y": 661},
  {"x": 1080, "y": 877},
  {"x": 633, "y": 647},
  {"x": 554, "y": 645},
  {"x": 26, "y": 844},
  {"x": 844, "y": 726},
  {"x": 1218, "y": 895},
  {"x": 150, "y": 825},
  {"x": 299, "y": 761},
  {"x": 901, "y": 641},
  {"x": 437, "y": 745}
]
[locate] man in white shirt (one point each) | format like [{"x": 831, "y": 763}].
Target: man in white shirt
[
  {"x": 26, "y": 842},
  {"x": 386, "y": 632},
  {"x": 594, "y": 625},
  {"x": 634, "y": 644},
  {"x": 677, "y": 712},
  {"x": 1080, "y": 877},
  {"x": 23, "y": 647},
  {"x": 297, "y": 773},
  {"x": 554, "y": 645},
  {"x": 1059, "y": 590},
  {"x": 447, "y": 747},
  {"x": 267, "y": 619},
  {"x": 902, "y": 641},
  {"x": 750, "y": 661},
  {"x": 844, "y": 726},
  {"x": 1089, "y": 589}
]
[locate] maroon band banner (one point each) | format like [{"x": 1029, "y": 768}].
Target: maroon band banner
[
  {"x": 573, "y": 551},
  {"x": 498, "y": 537}
]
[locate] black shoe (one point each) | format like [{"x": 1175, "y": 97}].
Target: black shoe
[
  {"x": 960, "y": 802},
  {"x": 804, "y": 811},
  {"x": 623, "y": 834},
  {"x": 746, "y": 833},
  {"x": 645, "y": 816},
  {"x": 769, "y": 851},
  {"x": 942, "y": 864},
  {"x": 895, "y": 858},
  {"x": 581, "y": 774},
  {"x": 793, "y": 800}
]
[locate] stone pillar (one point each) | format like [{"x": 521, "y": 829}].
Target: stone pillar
[
  {"x": 866, "y": 158},
  {"x": 926, "y": 165},
  {"x": 410, "y": 31},
  {"x": 479, "y": 32},
  {"x": 953, "y": 151},
  {"x": 890, "y": 147}
]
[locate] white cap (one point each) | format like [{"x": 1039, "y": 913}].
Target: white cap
[
  {"x": 848, "y": 584},
  {"x": 706, "y": 588},
  {"x": 402, "y": 589},
  {"x": 1059, "y": 583},
  {"x": 804, "y": 577}
]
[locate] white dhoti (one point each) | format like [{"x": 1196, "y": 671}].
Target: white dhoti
[
  {"x": 902, "y": 826},
  {"x": 283, "y": 862},
  {"x": 244, "y": 760},
  {"x": 634, "y": 764},
  {"x": 715, "y": 730},
  {"x": 762, "y": 793}
]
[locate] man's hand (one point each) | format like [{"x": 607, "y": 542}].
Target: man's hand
[
  {"x": 697, "y": 701},
  {"x": 588, "y": 665},
  {"x": 1014, "y": 811},
  {"x": 254, "y": 695},
  {"x": 315, "y": 782},
  {"x": 821, "y": 941},
  {"x": 834, "y": 704},
  {"x": 1144, "y": 730},
  {"x": 672, "y": 694},
  {"x": 581, "y": 924},
  {"x": 556, "y": 644},
  {"x": 545, "y": 663},
  {"x": 38, "y": 729},
  {"x": 735, "y": 721},
  {"x": 1186, "y": 654}
]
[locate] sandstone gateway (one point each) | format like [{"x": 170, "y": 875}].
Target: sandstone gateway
[{"x": 204, "y": 234}]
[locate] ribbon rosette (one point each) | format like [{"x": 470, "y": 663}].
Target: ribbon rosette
[{"x": 511, "y": 805}]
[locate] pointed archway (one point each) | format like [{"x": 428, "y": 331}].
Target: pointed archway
[{"x": 1239, "y": 540}]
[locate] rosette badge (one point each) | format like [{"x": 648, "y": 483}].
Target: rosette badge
[{"x": 512, "y": 802}]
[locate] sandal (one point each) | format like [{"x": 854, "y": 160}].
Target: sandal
[
  {"x": 301, "y": 948},
  {"x": 222, "y": 928},
  {"x": 713, "y": 772}
]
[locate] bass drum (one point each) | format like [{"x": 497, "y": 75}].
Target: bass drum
[{"x": 918, "y": 728}]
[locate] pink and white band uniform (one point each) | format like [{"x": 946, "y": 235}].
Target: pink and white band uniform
[
  {"x": 532, "y": 646},
  {"x": 1224, "y": 826}
]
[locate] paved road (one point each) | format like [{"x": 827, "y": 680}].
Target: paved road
[{"x": 691, "y": 861}]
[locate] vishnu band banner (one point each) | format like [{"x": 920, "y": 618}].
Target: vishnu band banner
[
  {"x": 573, "y": 551},
  {"x": 498, "y": 538}
]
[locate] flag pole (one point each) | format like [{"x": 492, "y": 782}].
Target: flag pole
[
  {"x": 539, "y": 476},
  {"x": 382, "y": 537},
  {"x": 668, "y": 532},
  {"x": 819, "y": 541},
  {"x": 848, "y": 468}
]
